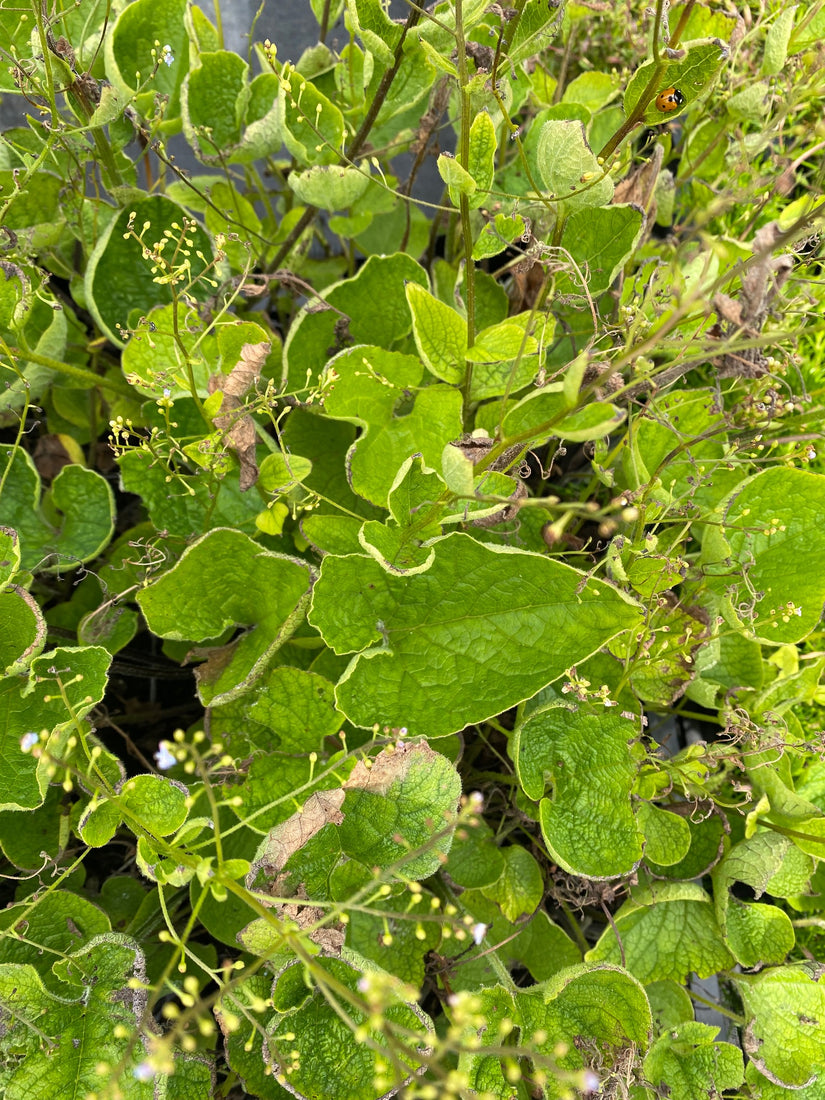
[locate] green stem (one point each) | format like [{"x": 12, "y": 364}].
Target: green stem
[
  {"x": 78, "y": 374},
  {"x": 464, "y": 206},
  {"x": 358, "y": 141},
  {"x": 738, "y": 1020},
  {"x": 637, "y": 114}
]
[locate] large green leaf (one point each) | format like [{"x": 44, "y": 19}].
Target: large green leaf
[
  {"x": 213, "y": 101},
  {"x": 373, "y": 305},
  {"x": 70, "y": 524},
  {"x": 69, "y": 1045},
  {"x": 774, "y": 533},
  {"x": 692, "y": 70},
  {"x": 587, "y": 822},
  {"x": 188, "y": 504},
  {"x": 689, "y": 1063},
  {"x": 667, "y": 931},
  {"x": 581, "y": 1006},
  {"x": 569, "y": 167},
  {"x": 333, "y": 1062},
  {"x": 784, "y": 1037},
  {"x": 432, "y": 656},
  {"x": 36, "y": 710},
  {"x": 760, "y": 934},
  {"x": 226, "y": 580},
  {"x": 122, "y": 283},
  {"x": 132, "y": 48},
  {"x": 371, "y": 386}
]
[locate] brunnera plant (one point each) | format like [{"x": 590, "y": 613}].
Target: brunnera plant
[{"x": 411, "y": 595}]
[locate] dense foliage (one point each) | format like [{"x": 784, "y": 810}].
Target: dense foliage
[{"x": 411, "y": 646}]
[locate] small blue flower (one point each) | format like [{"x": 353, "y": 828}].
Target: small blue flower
[
  {"x": 143, "y": 1072},
  {"x": 166, "y": 55}
]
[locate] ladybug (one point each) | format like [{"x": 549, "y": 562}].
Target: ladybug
[{"x": 669, "y": 100}]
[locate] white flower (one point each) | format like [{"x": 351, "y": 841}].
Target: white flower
[
  {"x": 164, "y": 758},
  {"x": 166, "y": 55},
  {"x": 28, "y": 741},
  {"x": 479, "y": 931}
]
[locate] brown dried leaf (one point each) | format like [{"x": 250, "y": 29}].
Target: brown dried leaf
[
  {"x": 322, "y": 808},
  {"x": 51, "y": 455},
  {"x": 639, "y": 185},
  {"x": 762, "y": 280},
  {"x": 240, "y": 430},
  {"x": 390, "y": 766}
]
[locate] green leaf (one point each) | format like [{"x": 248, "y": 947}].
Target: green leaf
[
  {"x": 280, "y": 472},
  {"x": 763, "y": 1089},
  {"x": 665, "y": 665},
  {"x": 371, "y": 387},
  {"x": 536, "y": 28},
  {"x": 298, "y": 707},
  {"x": 546, "y": 414},
  {"x": 440, "y": 334},
  {"x": 667, "y": 835},
  {"x": 696, "y": 69},
  {"x": 71, "y": 524},
  {"x": 583, "y": 1004},
  {"x": 486, "y": 1074},
  {"x": 670, "y": 1004},
  {"x": 455, "y": 175},
  {"x": 25, "y": 847},
  {"x": 600, "y": 242},
  {"x": 760, "y": 934},
  {"x": 773, "y": 531},
  {"x": 248, "y": 1000},
  {"x": 785, "y": 1007},
  {"x": 475, "y": 860},
  {"x": 262, "y": 135},
  {"x": 520, "y": 887},
  {"x": 128, "y": 51},
  {"x": 725, "y": 662},
  {"x": 120, "y": 284},
  {"x": 245, "y": 586},
  {"x": 690, "y": 1064},
  {"x": 507, "y": 356},
  {"x": 592, "y": 89},
  {"x": 313, "y": 332},
  {"x": 160, "y": 356},
  {"x": 569, "y": 168},
  {"x": 70, "y": 1045},
  {"x": 700, "y": 473},
  {"x": 187, "y": 504},
  {"x": 24, "y": 630},
  {"x": 481, "y": 165},
  {"x": 404, "y": 949},
  {"x": 340, "y": 1066},
  {"x": 329, "y": 187},
  {"x": 492, "y": 654},
  {"x": 37, "y": 708},
  {"x": 406, "y": 803},
  {"x": 149, "y": 802},
  {"x": 39, "y": 933},
  {"x": 213, "y": 102},
  {"x": 588, "y": 823},
  {"x": 667, "y": 931},
  {"x": 311, "y": 126},
  {"x": 373, "y": 25},
  {"x": 497, "y": 234}
]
